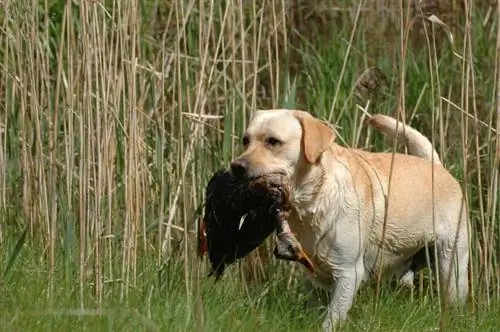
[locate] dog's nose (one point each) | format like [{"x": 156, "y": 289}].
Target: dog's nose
[{"x": 239, "y": 167}]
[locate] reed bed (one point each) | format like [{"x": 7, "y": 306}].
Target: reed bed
[{"x": 114, "y": 114}]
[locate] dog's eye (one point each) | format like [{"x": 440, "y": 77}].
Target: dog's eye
[
  {"x": 273, "y": 141},
  {"x": 246, "y": 140}
]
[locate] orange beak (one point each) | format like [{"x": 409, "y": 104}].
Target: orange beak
[
  {"x": 303, "y": 259},
  {"x": 202, "y": 237}
]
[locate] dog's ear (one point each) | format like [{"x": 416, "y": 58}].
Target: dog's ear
[{"x": 316, "y": 136}]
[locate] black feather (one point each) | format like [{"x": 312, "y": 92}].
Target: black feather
[{"x": 228, "y": 199}]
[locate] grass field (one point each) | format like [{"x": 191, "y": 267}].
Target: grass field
[
  {"x": 159, "y": 303},
  {"x": 114, "y": 114}
]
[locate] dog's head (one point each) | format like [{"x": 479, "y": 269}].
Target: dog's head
[{"x": 282, "y": 141}]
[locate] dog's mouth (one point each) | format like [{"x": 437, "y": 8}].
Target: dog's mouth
[
  {"x": 276, "y": 174},
  {"x": 277, "y": 185}
]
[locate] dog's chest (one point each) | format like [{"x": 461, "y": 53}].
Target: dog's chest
[
  {"x": 302, "y": 223},
  {"x": 305, "y": 226},
  {"x": 323, "y": 241}
]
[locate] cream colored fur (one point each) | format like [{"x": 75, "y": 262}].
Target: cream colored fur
[
  {"x": 354, "y": 215},
  {"x": 418, "y": 144}
]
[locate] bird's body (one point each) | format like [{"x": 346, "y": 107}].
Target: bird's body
[{"x": 229, "y": 199}]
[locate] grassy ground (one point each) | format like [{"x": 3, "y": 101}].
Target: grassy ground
[
  {"x": 113, "y": 115},
  {"x": 160, "y": 303}
]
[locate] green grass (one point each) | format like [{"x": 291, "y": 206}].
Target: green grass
[
  {"x": 113, "y": 115},
  {"x": 159, "y": 303}
]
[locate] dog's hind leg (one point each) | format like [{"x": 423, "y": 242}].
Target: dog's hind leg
[
  {"x": 452, "y": 261},
  {"x": 422, "y": 259},
  {"x": 406, "y": 277}
]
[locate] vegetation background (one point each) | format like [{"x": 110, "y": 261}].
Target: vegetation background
[{"x": 114, "y": 114}]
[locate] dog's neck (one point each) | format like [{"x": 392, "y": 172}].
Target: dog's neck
[
  {"x": 311, "y": 182},
  {"x": 307, "y": 185},
  {"x": 318, "y": 198}
]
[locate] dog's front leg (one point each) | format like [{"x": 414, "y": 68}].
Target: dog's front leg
[{"x": 347, "y": 282}]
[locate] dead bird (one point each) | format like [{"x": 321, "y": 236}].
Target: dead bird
[
  {"x": 288, "y": 246},
  {"x": 241, "y": 213}
]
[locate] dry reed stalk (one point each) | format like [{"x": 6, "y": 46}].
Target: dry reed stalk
[
  {"x": 4, "y": 80},
  {"x": 495, "y": 214},
  {"x": 53, "y": 145},
  {"x": 84, "y": 123},
  {"x": 182, "y": 15},
  {"x": 346, "y": 57},
  {"x": 472, "y": 103},
  {"x": 34, "y": 78},
  {"x": 437, "y": 113},
  {"x": 400, "y": 115},
  {"x": 435, "y": 90}
]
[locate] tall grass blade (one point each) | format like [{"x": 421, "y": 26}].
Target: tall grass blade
[{"x": 14, "y": 255}]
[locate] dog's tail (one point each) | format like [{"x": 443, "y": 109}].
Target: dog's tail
[{"x": 418, "y": 145}]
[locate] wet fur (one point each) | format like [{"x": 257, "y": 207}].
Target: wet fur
[{"x": 354, "y": 215}]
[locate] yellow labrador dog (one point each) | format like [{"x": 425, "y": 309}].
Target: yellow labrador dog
[{"x": 358, "y": 213}]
